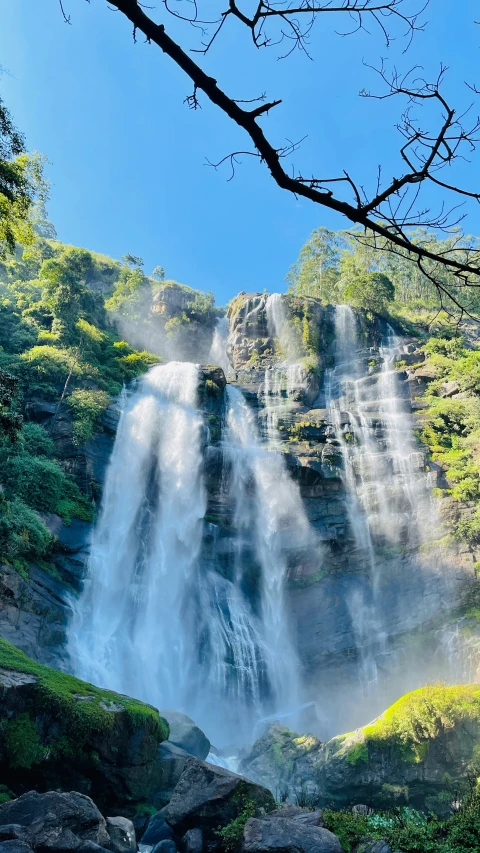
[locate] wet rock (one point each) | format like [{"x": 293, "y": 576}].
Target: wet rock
[
  {"x": 56, "y": 821},
  {"x": 122, "y": 835},
  {"x": 185, "y": 734},
  {"x": 272, "y": 834},
  {"x": 14, "y": 846},
  {"x": 172, "y": 761},
  {"x": 157, "y": 830},
  {"x": 166, "y": 846},
  {"x": 208, "y": 797},
  {"x": 33, "y": 612},
  {"x": 193, "y": 840}
]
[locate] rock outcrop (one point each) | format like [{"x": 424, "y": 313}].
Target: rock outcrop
[
  {"x": 59, "y": 732},
  {"x": 276, "y": 834},
  {"x": 208, "y": 798},
  {"x": 185, "y": 734},
  {"x": 54, "y": 821},
  {"x": 417, "y": 753}
]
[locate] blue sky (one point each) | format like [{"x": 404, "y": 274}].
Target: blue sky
[{"x": 127, "y": 156}]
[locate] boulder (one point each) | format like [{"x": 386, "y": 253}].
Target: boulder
[
  {"x": 172, "y": 762},
  {"x": 121, "y": 832},
  {"x": 54, "y": 821},
  {"x": 166, "y": 846},
  {"x": 193, "y": 841},
  {"x": 279, "y": 757},
  {"x": 57, "y": 732},
  {"x": 209, "y": 797},
  {"x": 14, "y": 846},
  {"x": 157, "y": 830},
  {"x": 185, "y": 734},
  {"x": 416, "y": 752},
  {"x": 274, "y": 834},
  {"x": 404, "y": 756}
]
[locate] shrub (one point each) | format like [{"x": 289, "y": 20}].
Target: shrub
[
  {"x": 87, "y": 406},
  {"x": 22, "y": 532}
]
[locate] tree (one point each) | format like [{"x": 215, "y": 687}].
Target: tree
[
  {"x": 316, "y": 271},
  {"x": 132, "y": 260},
  {"x": 10, "y": 420},
  {"x": 21, "y": 181},
  {"x": 66, "y": 294},
  {"x": 371, "y": 291},
  {"x": 392, "y": 209},
  {"x": 158, "y": 274}
]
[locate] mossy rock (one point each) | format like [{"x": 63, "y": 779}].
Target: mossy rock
[
  {"x": 417, "y": 751},
  {"x": 57, "y": 731}
]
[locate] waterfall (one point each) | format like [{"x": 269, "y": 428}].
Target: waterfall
[
  {"x": 218, "y": 350},
  {"x": 383, "y": 471},
  {"x": 268, "y": 514},
  {"x": 155, "y": 619},
  {"x": 283, "y": 379},
  {"x": 125, "y": 633}
]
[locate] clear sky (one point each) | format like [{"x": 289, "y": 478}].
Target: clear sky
[{"x": 127, "y": 156}]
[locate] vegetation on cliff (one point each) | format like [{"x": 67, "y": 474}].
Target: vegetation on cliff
[{"x": 336, "y": 267}]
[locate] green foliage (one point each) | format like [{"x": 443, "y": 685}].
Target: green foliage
[
  {"x": 21, "y": 181},
  {"x": 370, "y": 290},
  {"x": 451, "y": 426},
  {"x": 36, "y": 441},
  {"x": 411, "y": 831},
  {"x": 231, "y": 834},
  {"x": 22, "y": 745},
  {"x": 66, "y": 293},
  {"x": 87, "y": 406},
  {"x": 35, "y": 480},
  {"x": 358, "y": 753},
  {"x": 133, "y": 292},
  {"x": 316, "y": 272},
  {"x": 10, "y": 420},
  {"x": 22, "y": 533}
]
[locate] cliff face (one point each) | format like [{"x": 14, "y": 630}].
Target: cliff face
[
  {"x": 35, "y": 607},
  {"x": 421, "y": 582},
  {"x": 399, "y": 626}
]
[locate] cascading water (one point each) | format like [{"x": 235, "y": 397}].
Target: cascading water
[
  {"x": 218, "y": 350},
  {"x": 282, "y": 379},
  {"x": 383, "y": 470},
  {"x": 154, "y": 619},
  {"x": 125, "y": 633},
  {"x": 269, "y": 513}
]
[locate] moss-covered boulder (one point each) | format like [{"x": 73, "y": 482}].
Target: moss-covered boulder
[
  {"x": 57, "y": 732},
  {"x": 418, "y": 752}
]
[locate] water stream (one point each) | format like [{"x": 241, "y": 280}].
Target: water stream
[
  {"x": 155, "y": 620},
  {"x": 387, "y": 491}
]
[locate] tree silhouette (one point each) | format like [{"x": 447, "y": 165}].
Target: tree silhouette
[{"x": 387, "y": 217}]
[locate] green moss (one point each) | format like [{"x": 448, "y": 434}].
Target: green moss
[
  {"x": 61, "y": 695},
  {"x": 358, "y": 753},
  {"x": 410, "y": 724},
  {"x": 22, "y": 745},
  {"x": 212, "y": 390}
]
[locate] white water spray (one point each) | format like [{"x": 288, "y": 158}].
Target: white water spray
[
  {"x": 387, "y": 489},
  {"x": 155, "y": 620},
  {"x": 218, "y": 350}
]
